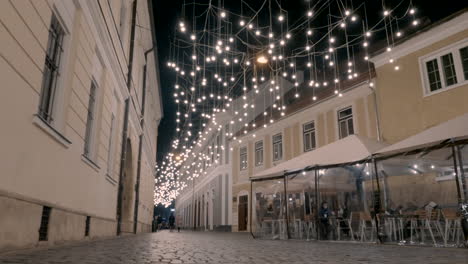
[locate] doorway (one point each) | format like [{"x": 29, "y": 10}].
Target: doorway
[{"x": 243, "y": 212}]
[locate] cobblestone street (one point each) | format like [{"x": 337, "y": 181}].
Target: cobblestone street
[{"x": 199, "y": 247}]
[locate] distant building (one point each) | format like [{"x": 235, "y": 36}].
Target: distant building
[{"x": 80, "y": 107}]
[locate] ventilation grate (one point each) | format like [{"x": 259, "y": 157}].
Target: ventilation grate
[
  {"x": 44, "y": 228},
  {"x": 88, "y": 220}
]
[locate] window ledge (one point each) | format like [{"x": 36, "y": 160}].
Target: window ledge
[
  {"x": 91, "y": 163},
  {"x": 445, "y": 89},
  {"x": 110, "y": 179},
  {"x": 51, "y": 131}
]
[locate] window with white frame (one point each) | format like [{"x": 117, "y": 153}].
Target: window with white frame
[
  {"x": 90, "y": 121},
  {"x": 308, "y": 132},
  {"x": 243, "y": 158},
  {"x": 345, "y": 122},
  {"x": 51, "y": 72},
  {"x": 258, "y": 153},
  {"x": 277, "y": 147},
  {"x": 445, "y": 69}
]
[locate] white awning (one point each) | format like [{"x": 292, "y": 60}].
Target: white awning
[
  {"x": 454, "y": 128},
  {"x": 348, "y": 149}
]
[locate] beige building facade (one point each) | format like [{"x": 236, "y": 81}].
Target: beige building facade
[
  {"x": 81, "y": 108},
  {"x": 421, "y": 83},
  {"x": 314, "y": 126}
]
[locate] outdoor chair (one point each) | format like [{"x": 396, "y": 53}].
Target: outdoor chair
[
  {"x": 345, "y": 224},
  {"x": 366, "y": 225},
  {"x": 452, "y": 227}
]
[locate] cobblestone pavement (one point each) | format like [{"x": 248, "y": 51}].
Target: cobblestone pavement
[{"x": 202, "y": 247}]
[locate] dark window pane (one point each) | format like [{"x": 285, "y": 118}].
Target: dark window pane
[
  {"x": 449, "y": 69},
  {"x": 433, "y": 75},
  {"x": 464, "y": 60},
  {"x": 51, "y": 67}
]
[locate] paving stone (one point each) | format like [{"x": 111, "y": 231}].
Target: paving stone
[{"x": 208, "y": 247}]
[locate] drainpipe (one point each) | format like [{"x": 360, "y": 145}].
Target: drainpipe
[
  {"x": 140, "y": 144},
  {"x": 376, "y": 109},
  {"x": 123, "y": 154}
]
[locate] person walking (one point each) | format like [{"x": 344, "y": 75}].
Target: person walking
[{"x": 171, "y": 222}]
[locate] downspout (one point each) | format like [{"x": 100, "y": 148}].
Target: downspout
[
  {"x": 140, "y": 144},
  {"x": 123, "y": 154},
  {"x": 377, "y": 116}
]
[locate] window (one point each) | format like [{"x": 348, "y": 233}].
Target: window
[
  {"x": 51, "y": 72},
  {"x": 446, "y": 69},
  {"x": 464, "y": 61},
  {"x": 110, "y": 147},
  {"x": 258, "y": 153},
  {"x": 449, "y": 70},
  {"x": 433, "y": 75},
  {"x": 90, "y": 120},
  {"x": 308, "y": 131},
  {"x": 277, "y": 147},
  {"x": 243, "y": 158},
  {"x": 345, "y": 122},
  {"x": 218, "y": 147}
]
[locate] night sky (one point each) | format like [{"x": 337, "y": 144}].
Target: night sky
[{"x": 167, "y": 14}]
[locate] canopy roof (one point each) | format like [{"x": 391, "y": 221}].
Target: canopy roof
[
  {"x": 454, "y": 128},
  {"x": 348, "y": 149}
]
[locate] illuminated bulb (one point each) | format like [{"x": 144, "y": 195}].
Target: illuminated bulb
[
  {"x": 192, "y": 37},
  {"x": 343, "y": 24},
  {"x": 281, "y": 18},
  {"x": 386, "y": 13},
  {"x": 389, "y": 49},
  {"x": 182, "y": 29},
  {"x": 391, "y": 60},
  {"x": 368, "y": 34},
  {"x": 288, "y": 35},
  {"x": 366, "y": 58},
  {"x": 365, "y": 44},
  {"x": 223, "y": 14},
  {"x": 282, "y": 42},
  {"x": 257, "y": 32},
  {"x": 270, "y": 35},
  {"x": 250, "y": 26},
  {"x": 231, "y": 40},
  {"x": 309, "y": 32},
  {"x": 291, "y": 65},
  {"x": 412, "y": 11},
  {"x": 332, "y": 40},
  {"x": 353, "y": 18},
  {"x": 242, "y": 22},
  {"x": 397, "y": 68},
  {"x": 314, "y": 98},
  {"x": 415, "y": 22},
  {"x": 398, "y": 34},
  {"x": 296, "y": 95},
  {"x": 347, "y": 12}
]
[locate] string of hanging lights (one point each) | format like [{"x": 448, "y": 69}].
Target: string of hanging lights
[{"x": 226, "y": 61}]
